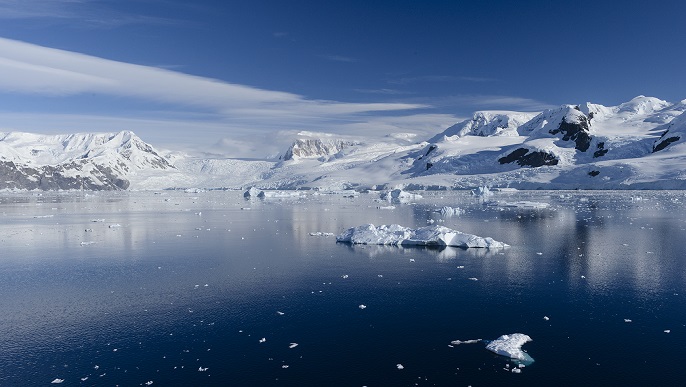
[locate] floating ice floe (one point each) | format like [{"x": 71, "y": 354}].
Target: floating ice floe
[
  {"x": 398, "y": 195},
  {"x": 511, "y": 346},
  {"x": 397, "y": 235},
  {"x": 524, "y": 204},
  {"x": 458, "y": 342},
  {"x": 482, "y": 192},
  {"x": 292, "y": 345},
  {"x": 117, "y": 225},
  {"x": 57, "y": 381},
  {"x": 324, "y": 234},
  {"x": 450, "y": 211},
  {"x": 400, "y": 366}
]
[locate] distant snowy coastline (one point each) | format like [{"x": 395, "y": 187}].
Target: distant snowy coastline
[{"x": 639, "y": 144}]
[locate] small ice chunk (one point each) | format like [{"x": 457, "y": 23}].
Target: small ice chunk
[
  {"x": 262, "y": 340},
  {"x": 362, "y": 306},
  {"x": 482, "y": 192},
  {"x": 667, "y": 331},
  {"x": 450, "y": 211},
  {"x": 400, "y": 366},
  {"x": 546, "y": 318},
  {"x": 511, "y": 346},
  {"x": 57, "y": 381},
  {"x": 473, "y": 279},
  {"x": 149, "y": 382},
  {"x": 399, "y": 196},
  {"x": 323, "y": 234},
  {"x": 251, "y": 193},
  {"x": 397, "y": 235},
  {"x": 292, "y": 345},
  {"x": 626, "y": 320},
  {"x": 524, "y": 204},
  {"x": 201, "y": 369},
  {"x": 285, "y": 366},
  {"x": 116, "y": 225},
  {"x": 458, "y": 342},
  {"x": 280, "y": 313}
]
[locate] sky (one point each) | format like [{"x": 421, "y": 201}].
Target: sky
[{"x": 243, "y": 78}]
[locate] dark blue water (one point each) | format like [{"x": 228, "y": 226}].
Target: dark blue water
[{"x": 183, "y": 287}]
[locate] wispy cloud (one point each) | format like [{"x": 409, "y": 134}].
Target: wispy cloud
[
  {"x": 438, "y": 78},
  {"x": 29, "y": 69},
  {"x": 496, "y": 102},
  {"x": 77, "y": 13},
  {"x": 383, "y": 91},
  {"x": 338, "y": 58}
]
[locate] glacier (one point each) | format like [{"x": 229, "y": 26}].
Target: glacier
[{"x": 638, "y": 144}]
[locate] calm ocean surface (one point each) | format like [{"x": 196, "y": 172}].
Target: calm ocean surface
[{"x": 203, "y": 289}]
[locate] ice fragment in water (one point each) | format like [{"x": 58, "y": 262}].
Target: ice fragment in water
[
  {"x": 362, "y": 306},
  {"x": 400, "y": 366},
  {"x": 292, "y": 345},
  {"x": 262, "y": 340},
  {"x": 200, "y": 369},
  {"x": 397, "y": 235},
  {"x": 458, "y": 342},
  {"x": 511, "y": 346},
  {"x": 57, "y": 381}
]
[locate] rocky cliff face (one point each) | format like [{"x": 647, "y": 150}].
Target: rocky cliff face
[{"x": 314, "y": 148}]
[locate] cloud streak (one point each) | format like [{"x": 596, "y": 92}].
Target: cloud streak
[
  {"x": 31, "y": 69},
  {"x": 208, "y": 108},
  {"x": 79, "y": 13}
]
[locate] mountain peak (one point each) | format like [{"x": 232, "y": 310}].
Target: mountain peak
[{"x": 642, "y": 105}]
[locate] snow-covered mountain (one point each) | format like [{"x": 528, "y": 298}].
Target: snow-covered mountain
[
  {"x": 637, "y": 144},
  {"x": 75, "y": 161}
]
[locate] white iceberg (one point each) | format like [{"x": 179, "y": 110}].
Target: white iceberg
[
  {"x": 251, "y": 193},
  {"x": 397, "y": 235},
  {"x": 511, "y": 346},
  {"x": 398, "y": 195},
  {"x": 482, "y": 192}
]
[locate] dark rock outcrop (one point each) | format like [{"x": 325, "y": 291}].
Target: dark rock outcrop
[
  {"x": 663, "y": 141},
  {"x": 577, "y": 132},
  {"x": 525, "y": 158}
]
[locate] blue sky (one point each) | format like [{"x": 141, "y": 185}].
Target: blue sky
[{"x": 186, "y": 74}]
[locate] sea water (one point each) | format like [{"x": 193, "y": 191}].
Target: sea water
[{"x": 208, "y": 288}]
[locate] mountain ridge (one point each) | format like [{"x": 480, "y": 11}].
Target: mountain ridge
[{"x": 637, "y": 144}]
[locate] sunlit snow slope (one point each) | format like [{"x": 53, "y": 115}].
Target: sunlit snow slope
[{"x": 635, "y": 145}]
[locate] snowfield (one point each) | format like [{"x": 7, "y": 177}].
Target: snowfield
[{"x": 638, "y": 144}]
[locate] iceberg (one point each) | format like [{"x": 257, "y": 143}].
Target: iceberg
[
  {"x": 450, "y": 211},
  {"x": 251, "y": 193},
  {"x": 511, "y": 346},
  {"x": 397, "y": 235},
  {"x": 398, "y": 195}
]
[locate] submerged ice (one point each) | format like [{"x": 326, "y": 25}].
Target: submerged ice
[{"x": 397, "y": 235}]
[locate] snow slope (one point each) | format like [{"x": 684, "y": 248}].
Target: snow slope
[{"x": 637, "y": 144}]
